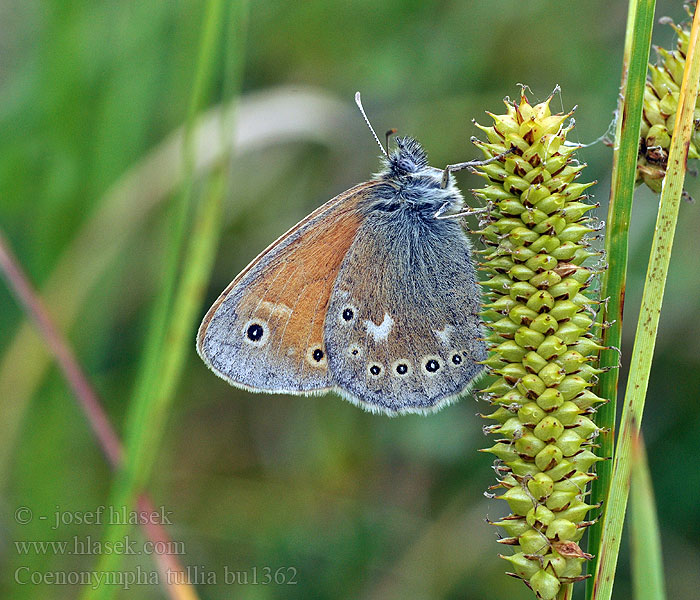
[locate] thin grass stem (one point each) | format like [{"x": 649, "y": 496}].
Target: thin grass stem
[
  {"x": 90, "y": 403},
  {"x": 634, "y": 69},
  {"x": 174, "y": 312},
  {"x": 646, "y": 558},
  {"x": 647, "y": 325}
]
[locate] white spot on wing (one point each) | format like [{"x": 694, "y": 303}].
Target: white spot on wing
[
  {"x": 273, "y": 308},
  {"x": 380, "y": 332},
  {"x": 444, "y": 334}
]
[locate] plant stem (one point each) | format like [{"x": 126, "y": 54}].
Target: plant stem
[
  {"x": 33, "y": 306},
  {"x": 646, "y": 559},
  {"x": 88, "y": 400},
  {"x": 636, "y": 55},
  {"x": 647, "y": 325}
]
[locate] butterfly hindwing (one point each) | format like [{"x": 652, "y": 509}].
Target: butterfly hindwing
[
  {"x": 402, "y": 329},
  {"x": 265, "y": 332}
]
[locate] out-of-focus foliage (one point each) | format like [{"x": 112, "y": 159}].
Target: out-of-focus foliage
[
  {"x": 358, "y": 506},
  {"x": 661, "y": 100}
]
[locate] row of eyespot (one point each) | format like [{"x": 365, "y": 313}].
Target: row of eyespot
[
  {"x": 431, "y": 365},
  {"x": 255, "y": 333}
]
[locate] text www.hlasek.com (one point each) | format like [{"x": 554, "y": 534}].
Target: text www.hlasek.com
[{"x": 89, "y": 546}]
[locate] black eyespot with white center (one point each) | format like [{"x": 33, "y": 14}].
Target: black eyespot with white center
[
  {"x": 456, "y": 359},
  {"x": 348, "y": 314},
  {"x": 432, "y": 364},
  {"x": 316, "y": 357},
  {"x": 255, "y": 332},
  {"x": 354, "y": 351},
  {"x": 375, "y": 369},
  {"x": 401, "y": 367}
]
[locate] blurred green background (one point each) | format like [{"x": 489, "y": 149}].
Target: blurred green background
[{"x": 360, "y": 506}]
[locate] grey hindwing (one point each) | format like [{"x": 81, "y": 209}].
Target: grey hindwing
[{"x": 402, "y": 329}]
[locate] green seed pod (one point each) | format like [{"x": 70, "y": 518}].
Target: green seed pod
[
  {"x": 659, "y": 113},
  {"x": 543, "y": 348}
]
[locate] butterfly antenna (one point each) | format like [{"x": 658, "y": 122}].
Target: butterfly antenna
[{"x": 358, "y": 101}]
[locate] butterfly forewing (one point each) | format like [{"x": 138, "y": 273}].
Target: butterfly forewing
[{"x": 265, "y": 332}]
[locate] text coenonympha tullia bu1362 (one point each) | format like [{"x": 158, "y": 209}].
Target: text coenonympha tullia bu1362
[{"x": 373, "y": 296}]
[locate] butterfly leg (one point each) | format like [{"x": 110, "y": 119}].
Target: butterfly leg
[
  {"x": 440, "y": 214},
  {"x": 470, "y": 164}
]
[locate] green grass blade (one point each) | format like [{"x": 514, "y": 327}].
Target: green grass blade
[
  {"x": 162, "y": 311},
  {"x": 647, "y": 325},
  {"x": 636, "y": 55},
  {"x": 180, "y": 334},
  {"x": 144, "y": 444},
  {"x": 133, "y": 477},
  {"x": 172, "y": 325},
  {"x": 647, "y": 563}
]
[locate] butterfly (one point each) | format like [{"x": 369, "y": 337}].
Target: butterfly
[{"x": 373, "y": 296}]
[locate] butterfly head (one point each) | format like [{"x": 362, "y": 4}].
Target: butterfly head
[{"x": 408, "y": 158}]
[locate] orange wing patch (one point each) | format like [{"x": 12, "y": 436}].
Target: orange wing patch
[
  {"x": 293, "y": 297},
  {"x": 265, "y": 332}
]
